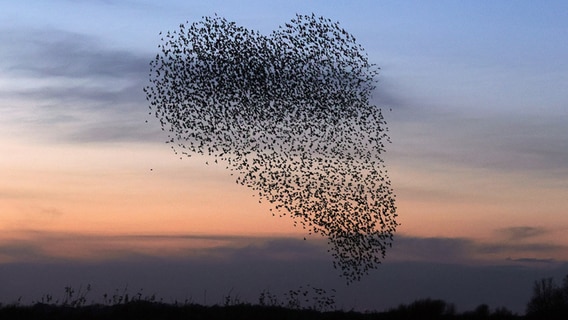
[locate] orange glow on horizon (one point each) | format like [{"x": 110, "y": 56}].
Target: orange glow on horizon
[{"x": 112, "y": 189}]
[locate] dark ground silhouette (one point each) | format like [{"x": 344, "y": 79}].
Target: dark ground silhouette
[
  {"x": 549, "y": 301},
  {"x": 424, "y": 309}
]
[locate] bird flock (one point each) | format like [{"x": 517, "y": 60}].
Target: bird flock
[{"x": 289, "y": 115}]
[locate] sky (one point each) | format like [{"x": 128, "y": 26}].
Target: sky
[{"x": 91, "y": 194}]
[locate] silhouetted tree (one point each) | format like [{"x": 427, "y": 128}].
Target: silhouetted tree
[
  {"x": 502, "y": 313},
  {"x": 564, "y": 288},
  {"x": 289, "y": 114},
  {"x": 423, "y": 309},
  {"x": 482, "y": 311},
  {"x": 548, "y": 301}
]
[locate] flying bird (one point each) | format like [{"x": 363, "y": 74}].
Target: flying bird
[{"x": 289, "y": 115}]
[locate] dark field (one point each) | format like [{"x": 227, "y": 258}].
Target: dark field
[
  {"x": 427, "y": 309},
  {"x": 549, "y": 301}
]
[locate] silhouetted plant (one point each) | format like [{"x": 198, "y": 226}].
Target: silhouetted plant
[
  {"x": 232, "y": 299},
  {"x": 267, "y": 298},
  {"x": 304, "y": 303},
  {"x": 76, "y": 299},
  {"x": 309, "y": 297}
]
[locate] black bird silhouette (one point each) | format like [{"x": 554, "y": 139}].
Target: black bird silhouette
[{"x": 289, "y": 114}]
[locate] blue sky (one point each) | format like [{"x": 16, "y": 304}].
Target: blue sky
[{"x": 479, "y": 158}]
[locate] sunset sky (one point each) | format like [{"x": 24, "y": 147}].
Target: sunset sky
[{"x": 90, "y": 193}]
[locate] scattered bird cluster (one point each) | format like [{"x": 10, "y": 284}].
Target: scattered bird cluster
[{"x": 289, "y": 114}]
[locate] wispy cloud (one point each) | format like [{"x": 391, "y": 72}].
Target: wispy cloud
[
  {"x": 56, "y": 53},
  {"x": 529, "y": 144},
  {"x": 93, "y": 247},
  {"x": 443, "y": 250},
  {"x": 534, "y": 248},
  {"x": 42, "y": 245},
  {"x": 74, "y": 87},
  {"x": 522, "y": 233},
  {"x": 533, "y": 260},
  {"x": 471, "y": 251}
]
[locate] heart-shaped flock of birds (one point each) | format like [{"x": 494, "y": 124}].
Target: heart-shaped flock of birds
[{"x": 289, "y": 114}]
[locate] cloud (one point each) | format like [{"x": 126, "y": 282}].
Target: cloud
[
  {"x": 55, "y": 53},
  {"x": 532, "y": 260},
  {"x": 522, "y": 233},
  {"x": 87, "y": 247},
  {"x": 91, "y": 247},
  {"x": 470, "y": 251},
  {"x": 15, "y": 251},
  {"x": 53, "y": 212},
  {"x": 386, "y": 95},
  {"x": 530, "y": 144},
  {"x": 279, "y": 249},
  {"x": 534, "y": 248},
  {"x": 434, "y": 129},
  {"x": 74, "y": 88},
  {"x": 522, "y": 242},
  {"x": 442, "y": 250}
]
